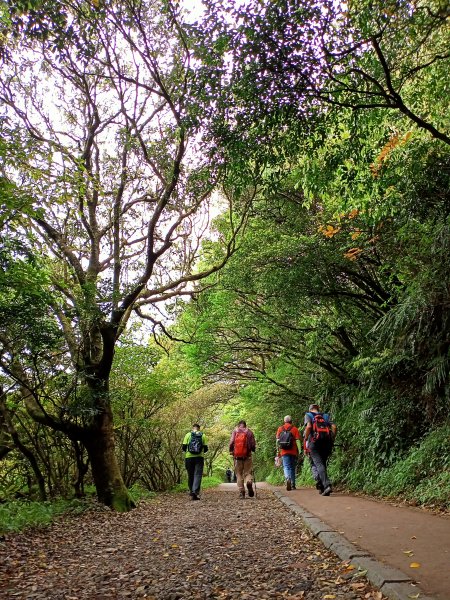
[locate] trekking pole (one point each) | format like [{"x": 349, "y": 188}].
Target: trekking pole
[{"x": 254, "y": 483}]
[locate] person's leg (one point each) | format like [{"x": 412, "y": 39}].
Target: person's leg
[
  {"x": 285, "y": 463},
  {"x": 316, "y": 457},
  {"x": 198, "y": 474},
  {"x": 190, "y": 467},
  {"x": 247, "y": 474},
  {"x": 325, "y": 453},
  {"x": 293, "y": 468},
  {"x": 239, "y": 469},
  {"x": 286, "y": 458},
  {"x": 315, "y": 474}
]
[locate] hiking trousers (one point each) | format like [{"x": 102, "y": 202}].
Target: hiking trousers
[
  {"x": 318, "y": 458},
  {"x": 194, "y": 468},
  {"x": 243, "y": 468}
]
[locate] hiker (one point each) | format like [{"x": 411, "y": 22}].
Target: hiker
[
  {"x": 289, "y": 446},
  {"x": 194, "y": 445},
  {"x": 320, "y": 433},
  {"x": 242, "y": 444},
  {"x": 228, "y": 474}
]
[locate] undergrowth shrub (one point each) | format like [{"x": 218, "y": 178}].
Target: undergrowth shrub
[
  {"x": 19, "y": 514},
  {"x": 423, "y": 475},
  {"x": 207, "y": 482},
  {"x": 380, "y": 451},
  {"x": 305, "y": 475},
  {"x": 275, "y": 476},
  {"x": 137, "y": 493}
]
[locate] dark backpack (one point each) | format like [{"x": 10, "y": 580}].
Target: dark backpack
[
  {"x": 286, "y": 439},
  {"x": 321, "y": 427},
  {"x": 195, "y": 445}
]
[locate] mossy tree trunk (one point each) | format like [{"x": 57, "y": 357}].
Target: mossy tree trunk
[{"x": 106, "y": 473}]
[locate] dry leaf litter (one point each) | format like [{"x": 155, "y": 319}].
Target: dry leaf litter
[{"x": 174, "y": 549}]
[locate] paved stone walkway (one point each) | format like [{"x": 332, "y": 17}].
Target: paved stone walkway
[{"x": 395, "y": 536}]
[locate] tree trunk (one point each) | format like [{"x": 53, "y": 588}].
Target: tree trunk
[
  {"x": 82, "y": 469},
  {"x": 99, "y": 444}
]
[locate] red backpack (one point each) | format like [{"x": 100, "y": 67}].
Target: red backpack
[
  {"x": 321, "y": 427},
  {"x": 240, "y": 444}
]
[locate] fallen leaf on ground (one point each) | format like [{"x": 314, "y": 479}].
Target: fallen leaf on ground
[
  {"x": 154, "y": 537},
  {"x": 360, "y": 574},
  {"x": 349, "y": 568},
  {"x": 414, "y": 565},
  {"x": 358, "y": 586}
]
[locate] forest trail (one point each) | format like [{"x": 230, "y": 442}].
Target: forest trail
[
  {"x": 172, "y": 548},
  {"x": 398, "y": 536}
]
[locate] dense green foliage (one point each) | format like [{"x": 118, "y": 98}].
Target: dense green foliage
[
  {"x": 339, "y": 294},
  {"x": 15, "y": 516},
  {"x": 325, "y": 129}
]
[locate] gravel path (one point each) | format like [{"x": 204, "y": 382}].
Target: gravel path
[{"x": 174, "y": 549}]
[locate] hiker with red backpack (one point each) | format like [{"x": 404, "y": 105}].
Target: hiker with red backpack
[
  {"x": 289, "y": 446},
  {"x": 319, "y": 436},
  {"x": 242, "y": 444}
]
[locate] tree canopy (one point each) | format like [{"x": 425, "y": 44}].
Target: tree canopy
[{"x": 233, "y": 217}]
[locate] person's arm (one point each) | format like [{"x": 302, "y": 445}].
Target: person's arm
[
  {"x": 231, "y": 445},
  {"x": 308, "y": 430},
  {"x": 298, "y": 439},
  {"x": 333, "y": 431},
  {"x": 277, "y": 440},
  {"x": 252, "y": 441},
  {"x": 184, "y": 445},
  {"x": 205, "y": 445}
]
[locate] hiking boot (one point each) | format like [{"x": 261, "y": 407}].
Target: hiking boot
[
  {"x": 251, "y": 493},
  {"x": 195, "y": 496},
  {"x": 242, "y": 494},
  {"x": 327, "y": 491},
  {"x": 288, "y": 485},
  {"x": 319, "y": 486}
]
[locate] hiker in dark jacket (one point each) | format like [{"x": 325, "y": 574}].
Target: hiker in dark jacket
[{"x": 318, "y": 447}]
